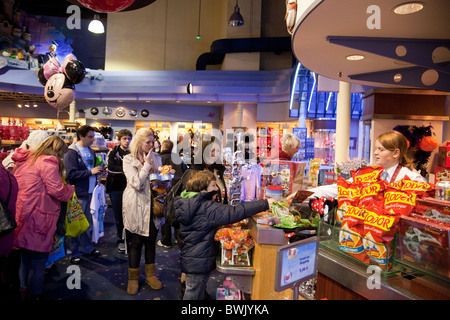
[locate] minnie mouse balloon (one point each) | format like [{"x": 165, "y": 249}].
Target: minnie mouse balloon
[
  {"x": 41, "y": 77},
  {"x": 106, "y": 5},
  {"x": 59, "y": 92},
  {"x": 75, "y": 71}
]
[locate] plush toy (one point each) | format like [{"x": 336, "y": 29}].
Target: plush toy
[
  {"x": 59, "y": 80},
  {"x": 166, "y": 169}
]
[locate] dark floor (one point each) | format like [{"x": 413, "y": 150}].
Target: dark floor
[{"x": 105, "y": 277}]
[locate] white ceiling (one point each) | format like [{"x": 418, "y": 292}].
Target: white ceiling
[{"x": 324, "y": 18}]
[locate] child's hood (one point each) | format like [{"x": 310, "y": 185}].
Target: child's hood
[
  {"x": 188, "y": 194},
  {"x": 188, "y": 204},
  {"x": 20, "y": 155}
]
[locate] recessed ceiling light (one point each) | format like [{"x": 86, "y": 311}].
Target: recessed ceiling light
[
  {"x": 408, "y": 8},
  {"x": 355, "y": 57}
]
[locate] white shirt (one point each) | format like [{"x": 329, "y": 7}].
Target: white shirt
[{"x": 331, "y": 190}]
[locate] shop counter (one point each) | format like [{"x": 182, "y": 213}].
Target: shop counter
[
  {"x": 267, "y": 240},
  {"x": 342, "y": 278},
  {"x": 258, "y": 280},
  {"x": 339, "y": 277}
]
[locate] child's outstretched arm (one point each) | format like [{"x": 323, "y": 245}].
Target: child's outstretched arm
[{"x": 223, "y": 214}]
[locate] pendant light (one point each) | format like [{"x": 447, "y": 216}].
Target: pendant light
[
  {"x": 96, "y": 26},
  {"x": 236, "y": 19}
]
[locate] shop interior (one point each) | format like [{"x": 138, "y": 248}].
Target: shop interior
[{"x": 335, "y": 81}]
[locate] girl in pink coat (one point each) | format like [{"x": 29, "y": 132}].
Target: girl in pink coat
[{"x": 41, "y": 189}]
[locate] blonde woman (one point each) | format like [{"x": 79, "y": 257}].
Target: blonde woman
[
  {"x": 39, "y": 174},
  {"x": 289, "y": 146},
  {"x": 141, "y": 227}
]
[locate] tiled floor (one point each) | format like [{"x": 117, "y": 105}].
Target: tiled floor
[{"x": 105, "y": 277}]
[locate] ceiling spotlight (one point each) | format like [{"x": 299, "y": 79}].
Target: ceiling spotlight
[
  {"x": 408, "y": 8},
  {"x": 236, "y": 19},
  {"x": 35, "y": 105},
  {"x": 190, "y": 88},
  {"x": 96, "y": 26},
  {"x": 27, "y": 105},
  {"x": 355, "y": 57},
  {"x": 19, "y": 105}
]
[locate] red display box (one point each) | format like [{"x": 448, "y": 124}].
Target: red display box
[{"x": 444, "y": 155}]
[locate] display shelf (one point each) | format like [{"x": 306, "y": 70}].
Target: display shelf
[
  {"x": 11, "y": 142},
  {"x": 431, "y": 260},
  {"x": 329, "y": 238}
]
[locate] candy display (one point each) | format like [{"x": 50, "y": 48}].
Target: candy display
[
  {"x": 236, "y": 244},
  {"x": 443, "y": 190},
  {"x": 314, "y": 166},
  {"x": 430, "y": 208},
  {"x": 344, "y": 169},
  {"x": 425, "y": 243},
  {"x": 14, "y": 130},
  {"x": 370, "y": 211}
]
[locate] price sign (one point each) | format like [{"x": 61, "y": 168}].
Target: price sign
[{"x": 296, "y": 263}]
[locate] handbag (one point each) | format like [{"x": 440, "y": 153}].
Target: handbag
[
  {"x": 157, "y": 204},
  {"x": 76, "y": 222},
  {"x": 7, "y": 220}
]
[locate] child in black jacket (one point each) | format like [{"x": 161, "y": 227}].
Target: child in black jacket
[{"x": 200, "y": 216}]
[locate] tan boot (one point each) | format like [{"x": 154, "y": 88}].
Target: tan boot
[
  {"x": 133, "y": 280},
  {"x": 150, "y": 277}
]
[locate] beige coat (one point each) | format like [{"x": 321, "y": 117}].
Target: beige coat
[{"x": 137, "y": 195}]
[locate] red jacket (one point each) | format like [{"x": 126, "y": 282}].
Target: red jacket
[{"x": 41, "y": 190}]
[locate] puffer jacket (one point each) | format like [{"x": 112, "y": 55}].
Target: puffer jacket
[
  {"x": 137, "y": 195},
  {"x": 200, "y": 216},
  {"x": 38, "y": 206}
]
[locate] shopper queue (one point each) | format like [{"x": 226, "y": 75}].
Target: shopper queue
[{"x": 45, "y": 174}]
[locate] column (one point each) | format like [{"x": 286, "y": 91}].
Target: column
[
  {"x": 343, "y": 122},
  {"x": 72, "y": 112}
]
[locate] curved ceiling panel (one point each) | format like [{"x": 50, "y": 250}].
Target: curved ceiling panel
[{"x": 406, "y": 51}]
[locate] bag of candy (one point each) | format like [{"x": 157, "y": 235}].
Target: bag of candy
[
  {"x": 348, "y": 194},
  {"x": 367, "y": 175},
  {"x": 351, "y": 233},
  {"x": 373, "y": 194},
  {"x": 379, "y": 233},
  {"x": 399, "y": 202}
]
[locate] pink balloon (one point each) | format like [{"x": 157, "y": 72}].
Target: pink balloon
[
  {"x": 106, "y": 5},
  {"x": 51, "y": 67},
  {"x": 66, "y": 60}
]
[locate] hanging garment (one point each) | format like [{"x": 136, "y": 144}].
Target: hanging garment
[{"x": 98, "y": 210}]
